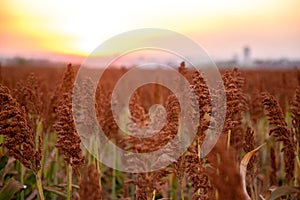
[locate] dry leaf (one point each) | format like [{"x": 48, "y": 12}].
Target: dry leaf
[
  {"x": 243, "y": 167},
  {"x": 283, "y": 190}
]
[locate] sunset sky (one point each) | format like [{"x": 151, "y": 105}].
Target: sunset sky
[{"x": 56, "y": 28}]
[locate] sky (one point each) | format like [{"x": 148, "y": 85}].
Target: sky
[{"x": 63, "y": 29}]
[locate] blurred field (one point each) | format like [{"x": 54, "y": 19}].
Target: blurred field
[{"x": 263, "y": 107}]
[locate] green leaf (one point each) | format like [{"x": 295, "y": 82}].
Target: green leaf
[
  {"x": 3, "y": 162},
  {"x": 9, "y": 189},
  {"x": 282, "y": 191},
  {"x": 30, "y": 179}
]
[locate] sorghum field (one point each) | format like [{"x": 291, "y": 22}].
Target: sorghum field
[{"x": 256, "y": 157}]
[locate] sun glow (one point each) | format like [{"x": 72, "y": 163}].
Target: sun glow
[{"x": 77, "y": 27}]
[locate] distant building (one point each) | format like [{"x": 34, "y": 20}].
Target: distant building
[{"x": 247, "y": 57}]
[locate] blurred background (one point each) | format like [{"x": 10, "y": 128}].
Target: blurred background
[{"x": 233, "y": 32}]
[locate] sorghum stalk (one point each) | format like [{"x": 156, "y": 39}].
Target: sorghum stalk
[
  {"x": 69, "y": 182},
  {"x": 39, "y": 185},
  {"x": 19, "y": 136}
]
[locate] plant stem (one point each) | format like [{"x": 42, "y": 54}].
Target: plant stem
[
  {"x": 181, "y": 192},
  {"x": 171, "y": 185},
  {"x": 98, "y": 165},
  {"x": 1, "y": 141},
  {"x": 228, "y": 139},
  {"x": 69, "y": 182},
  {"x": 297, "y": 165},
  {"x": 55, "y": 170},
  {"x": 154, "y": 193},
  {"x": 55, "y": 181},
  {"x": 132, "y": 187},
  {"x": 199, "y": 157},
  {"x": 113, "y": 195},
  {"x": 21, "y": 172},
  {"x": 39, "y": 185}
]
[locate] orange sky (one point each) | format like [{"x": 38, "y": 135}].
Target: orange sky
[{"x": 51, "y": 27}]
